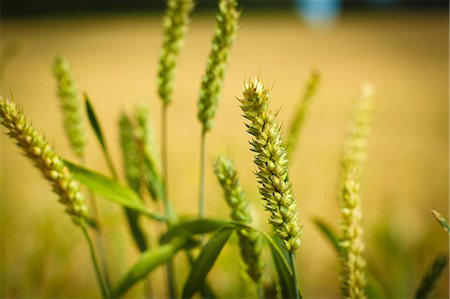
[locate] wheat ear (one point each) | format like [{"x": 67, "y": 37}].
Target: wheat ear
[
  {"x": 272, "y": 163},
  {"x": 44, "y": 157},
  {"x": 175, "y": 24},
  {"x": 212, "y": 81},
  {"x": 353, "y": 278},
  {"x": 302, "y": 112},
  {"x": 249, "y": 240},
  {"x": 70, "y": 105}
]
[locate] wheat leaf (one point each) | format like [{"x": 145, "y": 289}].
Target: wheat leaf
[
  {"x": 329, "y": 233},
  {"x": 431, "y": 277},
  {"x": 188, "y": 228},
  {"x": 283, "y": 268},
  {"x": 111, "y": 190},
  {"x": 206, "y": 260},
  {"x": 95, "y": 125},
  {"x": 147, "y": 262}
]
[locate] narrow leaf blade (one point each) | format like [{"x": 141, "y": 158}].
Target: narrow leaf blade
[
  {"x": 206, "y": 260},
  {"x": 432, "y": 276},
  {"x": 147, "y": 262},
  {"x": 285, "y": 275},
  {"x": 329, "y": 234},
  {"x": 93, "y": 120},
  {"x": 189, "y": 228},
  {"x": 111, "y": 190},
  {"x": 95, "y": 124}
]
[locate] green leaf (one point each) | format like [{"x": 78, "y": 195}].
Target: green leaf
[
  {"x": 147, "y": 262},
  {"x": 432, "y": 276},
  {"x": 329, "y": 233},
  {"x": 93, "y": 120},
  {"x": 154, "y": 183},
  {"x": 189, "y": 228},
  {"x": 95, "y": 125},
  {"x": 285, "y": 275},
  {"x": 111, "y": 190},
  {"x": 206, "y": 260}
]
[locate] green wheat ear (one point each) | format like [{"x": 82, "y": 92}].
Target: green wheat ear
[
  {"x": 140, "y": 158},
  {"x": 44, "y": 157},
  {"x": 441, "y": 220},
  {"x": 353, "y": 278},
  {"x": 302, "y": 111},
  {"x": 131, "y": 159},
  {"x": 249, "y": 240},
  {"x": 70, "y": 105},
  {"x": 212, "y": 81},
  {"x": 175, "y": 24},
  {"x": 272, "y": 163}
]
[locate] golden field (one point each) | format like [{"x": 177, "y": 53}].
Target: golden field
[{"x": 404, "y": 55}]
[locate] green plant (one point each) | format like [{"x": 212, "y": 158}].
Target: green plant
[{"x": 202, "y": 239}]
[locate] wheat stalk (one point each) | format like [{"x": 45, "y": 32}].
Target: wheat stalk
[
  {"x": 44, "y": 157},
  {"x": 353, "y": 278}
]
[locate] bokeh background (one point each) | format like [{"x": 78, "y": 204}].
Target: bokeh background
[{"x": 401, "y": 47}]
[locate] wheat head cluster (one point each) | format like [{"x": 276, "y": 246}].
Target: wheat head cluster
[{"x": 145, "y": 170}]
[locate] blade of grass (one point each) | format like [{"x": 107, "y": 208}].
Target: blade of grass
[
  {"x": 95, "y": 125},
  {"x": 432, "y": 276},
  {"x": 111, "y": 190},
  {"x": 206, "y": 260},
  {"x": 329, "y": 234},
  {"x": 189, "y": 228},
  {"x": 283, "y": 267},
  {"x": 147, "y": 262}
]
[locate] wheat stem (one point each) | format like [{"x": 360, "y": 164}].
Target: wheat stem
[
  {"x": 167, "y": 207},
  {"x": 201, "y": 208},
  {"x": 100, "y": 279},
  {"x": 100, "y": 240},
  {"x": 260, "y": 290},
  {"x": 294, "y": 272}
]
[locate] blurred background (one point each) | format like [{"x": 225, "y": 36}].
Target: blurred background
[{"x": 399, "y": 46}]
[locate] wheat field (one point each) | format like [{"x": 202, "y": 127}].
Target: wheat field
[{"x": 404, "y": 55}]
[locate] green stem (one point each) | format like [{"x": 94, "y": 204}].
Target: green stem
[
  {"x": 201, "y": 208},
  {"x": 260, "y": 290},
  {"x": 168, "y": 210},
  {"x": 294, "y": 272},
  {"x": 99, "y": 238},
  {"x": 100, "y": 279}
]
